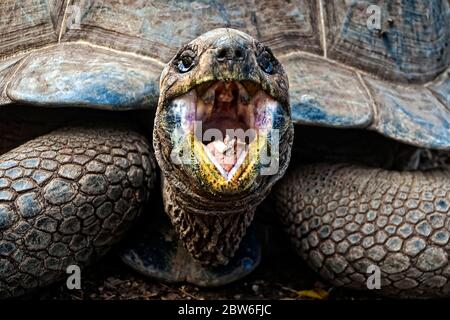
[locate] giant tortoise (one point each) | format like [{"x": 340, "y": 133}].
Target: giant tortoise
[{"x": 365, "y": 84}]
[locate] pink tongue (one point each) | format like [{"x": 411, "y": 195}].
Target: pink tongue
[{"x": 226, "y": 152}]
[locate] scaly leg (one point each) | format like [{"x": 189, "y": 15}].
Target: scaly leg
[
  {"x": 65, "y": 198},
  {"x": 344, "y": 218}
]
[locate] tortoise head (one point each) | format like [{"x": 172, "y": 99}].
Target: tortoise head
[{"x": 223, "y": 116}]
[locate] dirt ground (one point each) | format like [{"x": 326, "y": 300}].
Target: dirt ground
[
  {"x": 280, "y": 275},
  {"x": 276, "y": 278}
]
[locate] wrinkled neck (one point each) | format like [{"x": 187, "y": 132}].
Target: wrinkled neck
[{"x": 210, "y": 232}]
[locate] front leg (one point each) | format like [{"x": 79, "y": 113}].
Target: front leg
[
  {"x": 344, "y": 218},
  {"x": 65, "y": 198}
]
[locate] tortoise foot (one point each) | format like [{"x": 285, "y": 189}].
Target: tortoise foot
[{"x": 159, "y": 254}]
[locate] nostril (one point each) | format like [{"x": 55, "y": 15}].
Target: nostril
[
  {"x": 230, "y": 53},
  {"x": 221, "y": 54},
  {"x": 239, "y": 54}
]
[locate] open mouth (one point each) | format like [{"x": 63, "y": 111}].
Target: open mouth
[{"x": 230, "y": 121}]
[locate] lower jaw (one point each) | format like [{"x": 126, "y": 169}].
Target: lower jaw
[{"x": 241, "y": 179}]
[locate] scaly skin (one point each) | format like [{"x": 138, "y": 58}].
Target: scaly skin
[
  {"x": 65, "y": 198},
  {"x": 343, "y": 218}
]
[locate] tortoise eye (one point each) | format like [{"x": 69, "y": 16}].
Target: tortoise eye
[
  {"x": 185, "y": 61},
  {"x": 266, "y": 61}
]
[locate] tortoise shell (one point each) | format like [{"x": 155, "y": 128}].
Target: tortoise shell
[{"x": 392, "y": 78}]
